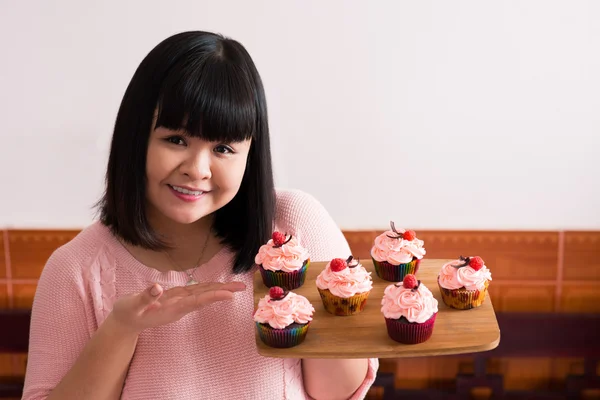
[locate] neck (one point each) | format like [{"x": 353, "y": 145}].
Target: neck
[
  {"x": 189, "y": 243},
  {"x": 181, "y": 236},
  {"x": 186, "y": 242}
]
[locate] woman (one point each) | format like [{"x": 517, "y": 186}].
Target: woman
[{"x": 154, "y": 301}]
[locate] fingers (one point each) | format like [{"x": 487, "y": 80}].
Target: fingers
[
  {"x": 193, "y": 302},
  {"x": 204, "y": 294},
  {"x": 232, "y": 287},
  {"x": 149, "y": 297},
  {"x": 155, "y": 291},
  {"x": 213, "y": 296},
  {"x": 204, "y": 287}
]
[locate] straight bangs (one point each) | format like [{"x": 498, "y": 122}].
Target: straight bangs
[{"x": 210, "y": 98}]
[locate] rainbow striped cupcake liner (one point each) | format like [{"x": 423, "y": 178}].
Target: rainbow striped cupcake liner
[
  {"x": 406, "y": 332},
  {"x": 395, "y": 273},
  {"x": 285, "y": 280},
  {"x": 463, "y": 299},
  {"x": 343, "y": 307},
  {"x": 282, "y": 338}
]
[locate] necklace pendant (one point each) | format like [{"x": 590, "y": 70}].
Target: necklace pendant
[{"x": 191, "y": 282}]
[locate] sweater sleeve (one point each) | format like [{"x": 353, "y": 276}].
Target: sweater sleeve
[
  {"x": 61, "y": 324},
  {"x": 303, "y": 215}
]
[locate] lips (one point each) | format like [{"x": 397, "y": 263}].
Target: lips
[{"x": 187, "y": 190}]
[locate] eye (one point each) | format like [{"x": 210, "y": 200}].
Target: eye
[
  {"x": 223, "y": 149},
  {"x": 178, "y": 140}
]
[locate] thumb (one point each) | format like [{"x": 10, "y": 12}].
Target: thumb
[{"x": 151, "y": 295}]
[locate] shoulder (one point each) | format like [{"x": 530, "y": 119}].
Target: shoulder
[
  {"x": 293, "y": 206},
  {"x": 302, "y": 215},
  {"x": 71, "y": 258}
]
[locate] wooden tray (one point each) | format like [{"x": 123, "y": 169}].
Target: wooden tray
[{"x": 364, "y": 335}]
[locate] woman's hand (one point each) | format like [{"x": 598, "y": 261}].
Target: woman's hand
[{"x": 156, "y": 306}]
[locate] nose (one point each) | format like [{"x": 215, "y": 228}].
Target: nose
[{"x": 197, "y": 167}]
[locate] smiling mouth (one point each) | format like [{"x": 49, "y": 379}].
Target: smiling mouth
[{"x": 186, "y": 191}]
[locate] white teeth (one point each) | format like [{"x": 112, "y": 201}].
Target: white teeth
[{"x": 185, "y": 191}]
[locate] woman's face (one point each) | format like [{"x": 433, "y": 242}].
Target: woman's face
[{"x": 189, "y": 178}]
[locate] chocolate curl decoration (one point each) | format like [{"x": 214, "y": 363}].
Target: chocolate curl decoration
[
  {"x": 416, "y": 287},
  {"x": 465, "y": 261},
  {"x": 399, "y": 235},
  {"x": 351, "y": 264}
]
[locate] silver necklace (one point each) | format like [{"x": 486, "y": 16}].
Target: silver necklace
[{"x": 191, "y": 280}]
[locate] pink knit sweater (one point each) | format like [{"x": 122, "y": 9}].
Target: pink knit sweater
[{"x": 209, "y": 354}]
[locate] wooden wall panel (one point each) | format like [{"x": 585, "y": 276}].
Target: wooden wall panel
[
  {"x": 6, "y": 365},
  {"x": 519, "y": 296},
  {"x": 430, "y": 372},
  {"x": 412, "y": 373},
  {"x": 30, "y": 249},
  {"x": 561, "y": 367},
  {"x": 2, "y": 256},
  {"x": 582, "y": 256},
  {"x": 4, "y": 303},
  {"x": 580, "y": 297},
  {"x": 445, "y": 369},
  {"x": 360, "y": 242},
  {"x": 523, "y": 373},
  {"x": 526, "y": 277},
  {"x": 23, "y": 295},
  {"x": 19, "y": 364},
  {"x": 510, "y": 255}
]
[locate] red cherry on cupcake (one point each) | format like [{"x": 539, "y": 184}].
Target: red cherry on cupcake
[
  {"x": 278, "y": 239},
  {"x": 337, "y": 264},
  {"x": 476, "y": 263},
  {"x": 409, "y": 235},
  {"x": 276, "y": 293},
  {"x": 410, "y": 281}
]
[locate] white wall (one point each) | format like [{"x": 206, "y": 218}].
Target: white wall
[{"x": 439, "y": 115}]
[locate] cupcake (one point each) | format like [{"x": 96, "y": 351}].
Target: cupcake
[
  {"x": 344, "y": 286},
  {"x": 464, "y": 282},
  {"x": 283, "y": 318},
  {"x": 282, "y": 262},
  {"x": 396, "y": 254},
  {"x": 409, "y": 309}
]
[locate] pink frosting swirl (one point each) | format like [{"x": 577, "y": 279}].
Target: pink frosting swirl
[
  {"x": 416, "y": 305},
  {"x": 396, "y": 251},
  {"x": 455, "y": 278},
  {"x": 288, "y": 258},
  {"x": 345, "y": 283},
  {"x": 282, "y": 313}
]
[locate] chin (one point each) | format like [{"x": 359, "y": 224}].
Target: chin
[
  {"x": 182, "y": 217},
  {"x": 187, "y": 219}
]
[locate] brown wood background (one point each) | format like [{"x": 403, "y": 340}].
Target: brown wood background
[{"x": 533, "y": 271}]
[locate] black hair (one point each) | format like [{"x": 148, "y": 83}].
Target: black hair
[{"x": 208, "y": 86}]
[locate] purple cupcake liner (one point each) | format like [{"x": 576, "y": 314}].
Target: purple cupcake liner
[
  {"x": 285, "y": 280},
  {"x": 284, "y": 338},
  {"x": 406, "y": 332},
  {"x": 395, "y": 273}
]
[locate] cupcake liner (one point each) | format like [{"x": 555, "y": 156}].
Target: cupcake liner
[
  {"x": 284, "y": 338},
  {"x": 463, "y": 299},
  {"x": 285, "y": 280},
  {"x": 343, "y": 307},
  {"x": 395, "y": 273},
  {"x": 406, "y": 332}
]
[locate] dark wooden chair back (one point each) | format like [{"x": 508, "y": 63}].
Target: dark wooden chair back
[{"x": 14, "y": 338}]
